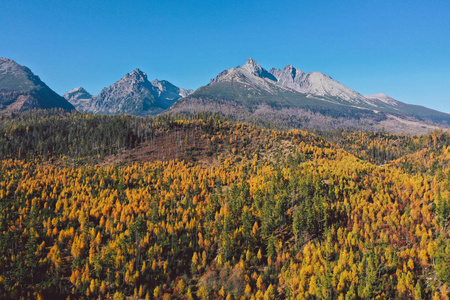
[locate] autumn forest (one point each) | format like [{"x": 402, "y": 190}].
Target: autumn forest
[{"x": 201, "y": 207}]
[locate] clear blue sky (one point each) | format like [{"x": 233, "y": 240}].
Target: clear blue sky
[{"x": 401, "y": 48}]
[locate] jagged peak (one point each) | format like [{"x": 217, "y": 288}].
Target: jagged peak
[
  {"x": 4, "y": 59},
  {"x": 252, "y": 66},
  {"x": 291, "y": 69},
  {"x": 77, "y": 93},
  {"x": 252, "y": 62},
  {"x": 138, "y": 71},
  {"x": 78, "y": 89},
  {"x": 136, "y": 76}
]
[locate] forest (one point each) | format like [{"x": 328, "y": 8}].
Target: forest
[{"x": 200, "y": 207}]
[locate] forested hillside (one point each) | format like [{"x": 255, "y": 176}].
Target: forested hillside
[{"x": 99, "y": 207}]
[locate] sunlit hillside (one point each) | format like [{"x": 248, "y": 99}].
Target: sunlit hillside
[{"x": 98, "y": 207}]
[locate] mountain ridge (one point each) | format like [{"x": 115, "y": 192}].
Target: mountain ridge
[
  {"x": 302, "y": 99},
  {"x": 132, "y": 94},
  {"x": 21, "y": 89},
  {"x": 287, "y": 98}
]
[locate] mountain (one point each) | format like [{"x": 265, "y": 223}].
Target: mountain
[
  {"x": 21, "y": 90},
  {"x": 168, "y": 91},
  {"x": 79, "y": 98},
  {"x": 318, "y": 84},
  {"x": 133, "y": 94},
  {"x": 291, "y": 98},
  {"x": 251, "y": 85}
]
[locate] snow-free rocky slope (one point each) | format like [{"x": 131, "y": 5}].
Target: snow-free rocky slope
[
  {"x": 21, "y": 90},
  {"x": 79, "y": 97},
  {"x": 291, "y": 98},
  {"x": 133, "y": 94}
]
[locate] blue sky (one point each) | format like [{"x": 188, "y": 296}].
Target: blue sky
[{"x": 401, "y": 48}]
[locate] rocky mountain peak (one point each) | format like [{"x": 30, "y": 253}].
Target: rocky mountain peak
[
  {"x": 252, "y": 67},
  {"x": 315, "y": 83},
  {"x": 169, "y": 91},
  {"x": 157, "y": 84},
  {"x": 289, "y": 77},
  {"x": 293, "y": 71},
  {"x": 289, "y": 67},
  {"x": 248, "y": 71},
  {"x": 132, "y": 94},
  {"x": 17, "y": 77},
  {"x": 255, "y": 69},
  {"x": 79, "y": 97},
  {"x": 77, "y": 90},
  {"x": 137, "y": 75}
]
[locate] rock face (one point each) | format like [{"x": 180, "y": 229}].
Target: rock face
[
  {"x": 168, "y": 91},
  {"x": 294, "y": 84},
  {"x": 130, "y": 95},
  {"x": 316, "y": 83},
  {"x": 133, "y": 94},
  {"x": 79, "y": 98},
  {"x": 21, "y": 90},
  {"x": 250, "y": 74}
]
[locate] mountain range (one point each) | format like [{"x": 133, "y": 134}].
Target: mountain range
[
  {"x": 283, "y": 98},
  {"x": 290, "y": 98},
  {"x": 133, "y": 94}
]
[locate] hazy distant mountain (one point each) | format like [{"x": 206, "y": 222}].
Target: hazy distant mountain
[
  {"x": 290, "y": 98},
  {"x": 133, "y": 94},
  {"x": 79, "y": 98},
  {"x": 21, "y": 90},
  {"x": 168, "y": 91}
]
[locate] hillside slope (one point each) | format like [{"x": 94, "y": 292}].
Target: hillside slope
[
  {"x": 21, "y": 90},
  {"x": 224, "y": 210}
]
